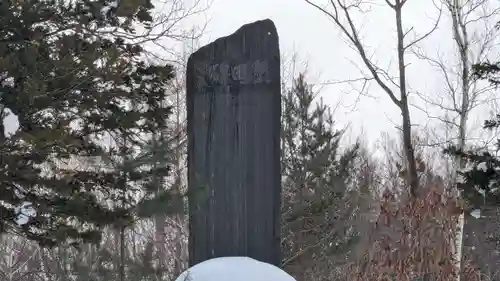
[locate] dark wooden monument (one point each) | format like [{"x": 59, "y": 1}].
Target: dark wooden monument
[{"x": 234, "y": 109}]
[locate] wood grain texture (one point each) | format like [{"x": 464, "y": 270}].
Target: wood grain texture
[{"x": 234, "y": 109}]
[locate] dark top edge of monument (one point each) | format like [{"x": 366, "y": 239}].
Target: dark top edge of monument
[{"x": 265, "y": 25}]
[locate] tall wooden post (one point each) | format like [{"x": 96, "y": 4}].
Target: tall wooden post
[{"x": 234, "y": 109}]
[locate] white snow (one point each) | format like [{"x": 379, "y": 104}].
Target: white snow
[
  {"x": 24, "y": 212},
  {"x": 480, "y": 190},
  {"x": 107, "y": 8},
  {"x": 234, "y": 269},
  {"x": 482, "y": 166},
  {"x": 10, "y": 123},
  {"x": 461, "y": 179},
  {"x": 476, "y": 213},
  {"x": 466, "y": 169}
]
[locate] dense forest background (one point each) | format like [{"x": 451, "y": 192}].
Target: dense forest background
[{"x": 92, "y": 96}]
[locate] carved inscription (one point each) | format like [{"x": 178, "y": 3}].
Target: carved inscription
[{"x": 256, "y": 72}]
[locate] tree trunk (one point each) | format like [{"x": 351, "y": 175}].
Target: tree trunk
[
  {"x": 462, "y": 41},
  {"x": 405, "y": 111},
  {"x": 122, "y": 254}
]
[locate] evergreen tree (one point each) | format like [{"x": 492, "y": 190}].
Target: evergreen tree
[
  {"x": 480, "y": 184},
  {"x": 72, "y": 77},
  {"x": 316, "y": 176}
]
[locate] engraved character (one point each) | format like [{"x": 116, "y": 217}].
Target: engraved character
[{"x": 224, "y": 72}]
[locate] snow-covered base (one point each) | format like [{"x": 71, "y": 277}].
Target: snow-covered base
[{"x": 234, "y": 269}]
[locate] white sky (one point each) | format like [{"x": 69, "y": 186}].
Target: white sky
[{"x": 315, "y": 38}]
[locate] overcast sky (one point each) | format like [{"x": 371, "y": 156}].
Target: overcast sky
[{"x": 315, "y": 38}]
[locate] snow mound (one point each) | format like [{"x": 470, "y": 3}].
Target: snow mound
[{"x": 234, "y": 269}]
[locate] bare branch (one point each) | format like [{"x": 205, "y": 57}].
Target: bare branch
[
  {"x": 393, "y": 6},
  {"x": 446, "y": 72},
  {"x": 351, "y": 33},
  {"x": 428, "y": 33},
  {"x": 343, "y": 18}
]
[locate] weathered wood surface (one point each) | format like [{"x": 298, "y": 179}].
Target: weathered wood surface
[{"x": 234, "y": 108}]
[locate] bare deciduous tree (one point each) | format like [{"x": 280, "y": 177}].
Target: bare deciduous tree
[
  {"x": 473, "y": 34},
  {"x": 342, "y": 13}
]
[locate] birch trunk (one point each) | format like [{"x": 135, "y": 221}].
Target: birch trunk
[
  {"x": 462, "y": 93},
  {"x": 461, "y": 40}
]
